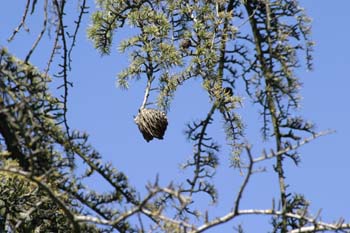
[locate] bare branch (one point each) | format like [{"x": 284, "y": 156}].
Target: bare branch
[
  {"x": 22, "y": 23},
  {"x": 43, "y": 29},
  {"x": 294, "y": 147},
  {"x": 317, "y": 225},
  {"x": 83, "y": 11},
  {"x": 52, "y": 54},
  {"x": 245, "y": 182},
  {"x": 334, "y": 227}
]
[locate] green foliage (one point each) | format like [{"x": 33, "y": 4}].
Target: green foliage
[
  {"x": 155, "y": 49},
  {"x": 29, "y": 116},
  {"x": 36, "y": 192},
  {"x": 27, "y": 209}
]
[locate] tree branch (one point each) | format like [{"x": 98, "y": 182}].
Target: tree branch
[
  {"x": 294, "y": 147},
  {"x": 21, "y": 24}
]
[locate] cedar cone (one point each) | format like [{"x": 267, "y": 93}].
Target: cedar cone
[
  {"x": 185, "y": 44},
  {"x": 152, "y": 123},
  {"x": 228, "y": 91}
]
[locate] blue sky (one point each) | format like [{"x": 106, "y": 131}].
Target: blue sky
[{"x": 98, "y": 107}]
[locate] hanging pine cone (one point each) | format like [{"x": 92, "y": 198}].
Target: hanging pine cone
[{"x": 152, "y": 123}]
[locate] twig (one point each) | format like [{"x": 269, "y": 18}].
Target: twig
[
  {"x": 83, "y": 7},
  {"x": 320, "y": 228},
  {"x": 21, "y": 24},
  {"x": 147, "y": 91},
  {"x": 40, "y": 34},
  {"x": 141, "y": 223},
  {"x": 53, "y": 52},
  {"x": 64, "y": 72},
  {"x": 197, "y": 157},
  {"x": 294, "y": 147},
  {"x": 246, "y": 180}
]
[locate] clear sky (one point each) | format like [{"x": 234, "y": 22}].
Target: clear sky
[{"x": 106, "y": 113}]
